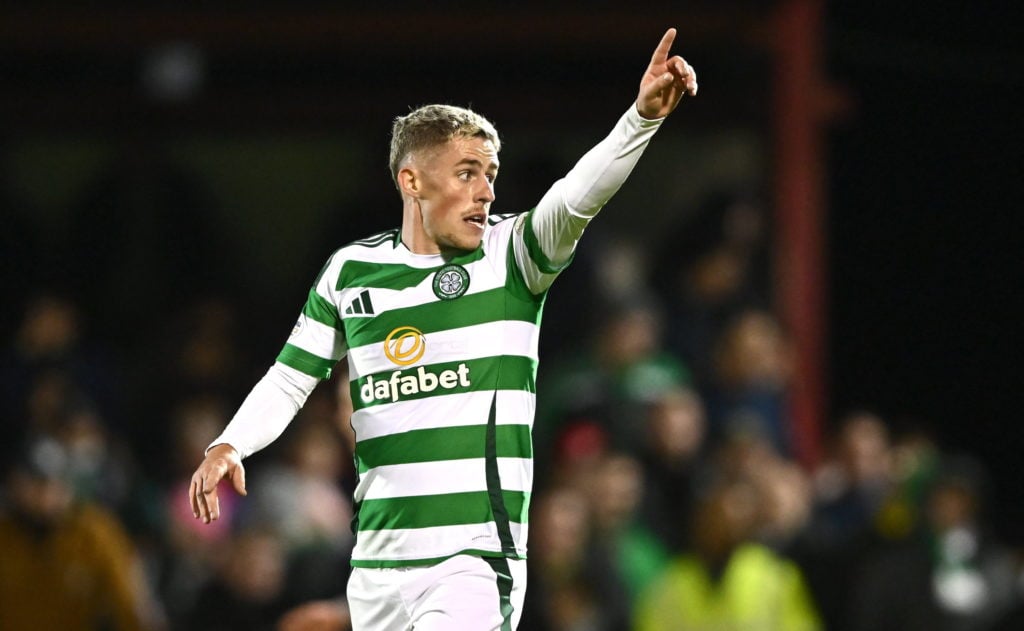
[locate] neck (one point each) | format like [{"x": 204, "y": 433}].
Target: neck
[{"x": 414, "y": 237}]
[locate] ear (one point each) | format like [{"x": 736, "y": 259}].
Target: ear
[{"x": 409, "y": 182}]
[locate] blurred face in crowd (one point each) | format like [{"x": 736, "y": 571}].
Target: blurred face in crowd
[
  {"x": 754, "y": 352},
  {"x": 256, "y": 567},
  {"x": 50, "y": 327},
  {"x": 724, "y": 519},
  {"x": 41, "y": 500},
  {"x": 951, "y": 506},
  {"x": 630, "y": 337},
  {"x": 560, "y": 523},
  {"x": 677, "y": 426},
  {"x": 865, "y": 449},
  {"x": 616, "y": 490}
]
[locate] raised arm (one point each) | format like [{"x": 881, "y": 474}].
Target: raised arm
[{"x": 547, "y": 239}]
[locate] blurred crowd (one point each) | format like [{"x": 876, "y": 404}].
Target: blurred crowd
[{"x": 668, "y": 495}]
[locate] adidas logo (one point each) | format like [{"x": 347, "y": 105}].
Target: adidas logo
[{"x": 361, "y": 305}]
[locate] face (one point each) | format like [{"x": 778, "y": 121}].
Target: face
[{"x": 452, "y": 187}]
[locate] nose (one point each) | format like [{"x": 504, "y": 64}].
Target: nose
[{"x": 485, "y": 193}]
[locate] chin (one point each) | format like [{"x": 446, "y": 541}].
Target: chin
[{"x": 464, "y": 245}]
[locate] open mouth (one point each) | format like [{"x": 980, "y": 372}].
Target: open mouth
[{"x": 476, "y": 219}]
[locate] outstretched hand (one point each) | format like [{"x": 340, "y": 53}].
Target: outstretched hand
[
  {"x": 665, "y": 82},
  {"x": 222, "y": 461}
]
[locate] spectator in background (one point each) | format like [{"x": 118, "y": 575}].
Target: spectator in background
[
  {"x": 952, "y": 577},
  {"x": 48, "y": 359},
  {"x": 786, "y": 504},
  {"x": 748, "y": 456},
  {"x": 850, "y": 489},
  {"x": 614, "y": 493},
  {"x": 572, "y": 586},
  {"x": 714, "y": 266},
  {"x": 201, "y": 358},
  {"x": 672, "y": 459},
  {"x": 65, "y": 565},
  {"x": 298, "y": 499},
  {"x": 728, "y": 581},
  {"x": 752, "y": 369},
  {"x": 915, "y": 465},
  {"x": 853, "y": 485},
  {"x": 248, "y": 591},
  {"x": 613, "y": 381},
  {"x": 54, "y": 382}
]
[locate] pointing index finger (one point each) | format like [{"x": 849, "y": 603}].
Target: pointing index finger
[{"x": 661, "y": 52}]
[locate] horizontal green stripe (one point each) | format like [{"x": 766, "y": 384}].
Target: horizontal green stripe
[
  {"x": 442, "y": 443},
  {"x": 306, "y": 362},
  {"x": 430, "y": 511},
  {"x": 503, "y": 372},
  {"x": 479, "y": 308},
  {"x": 373, "y": 563},
  {"x": 394, "y": 275},
  {"x": 517, "y": 286},
  {"x": 320, "y": 309}
]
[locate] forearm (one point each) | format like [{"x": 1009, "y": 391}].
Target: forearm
[
  {"x": 267, "y": 411},
  {"x": 567, "y": 208}
]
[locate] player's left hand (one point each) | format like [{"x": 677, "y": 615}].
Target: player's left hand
[
  {"x": 221, "y": 461},
  {"x": 665, "y": 82}
]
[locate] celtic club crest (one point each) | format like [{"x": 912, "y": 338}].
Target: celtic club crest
[{"x": 450, "y": 282}]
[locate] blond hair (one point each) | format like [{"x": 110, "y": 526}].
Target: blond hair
[{"x": 433, "y": 125}]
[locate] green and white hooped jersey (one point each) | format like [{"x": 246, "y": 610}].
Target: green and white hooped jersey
[{"x": 442, "y": 356}]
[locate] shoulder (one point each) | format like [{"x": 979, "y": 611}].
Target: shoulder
[
  {"x": 499, "y": 218},
  {"x": 376, "y": 248},
  {"x": 373, "y": 246},
  {"x": 500, "y": 228}
]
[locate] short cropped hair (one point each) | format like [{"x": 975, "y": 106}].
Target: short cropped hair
[{"x": 433, "y": 125}]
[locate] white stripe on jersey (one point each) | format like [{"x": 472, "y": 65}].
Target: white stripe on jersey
[
  {"x": 445, "y": 476},
  {"x": 382, "y": 545},
  {"x": 313, "y": 337}
]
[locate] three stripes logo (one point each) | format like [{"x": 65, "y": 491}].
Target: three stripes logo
[{"x": 361, "y": 305}]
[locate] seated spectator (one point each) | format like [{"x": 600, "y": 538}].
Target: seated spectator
[
  {"x": 955, "y": 577},
  {"x": 65, "y": 565},
  {"x": 728, "y": 581}
]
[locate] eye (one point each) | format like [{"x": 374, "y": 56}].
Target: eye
[
  {"x": 491, "y": 177},
  {"x": 465, "y": 175}
]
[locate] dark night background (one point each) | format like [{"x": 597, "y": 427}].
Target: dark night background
[{"x": 925, "y": 202}]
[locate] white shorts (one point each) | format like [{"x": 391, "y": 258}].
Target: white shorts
[{"x": 466, "y": 593}]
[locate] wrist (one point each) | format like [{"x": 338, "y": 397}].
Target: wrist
[{"x": 223, "y": 450}]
